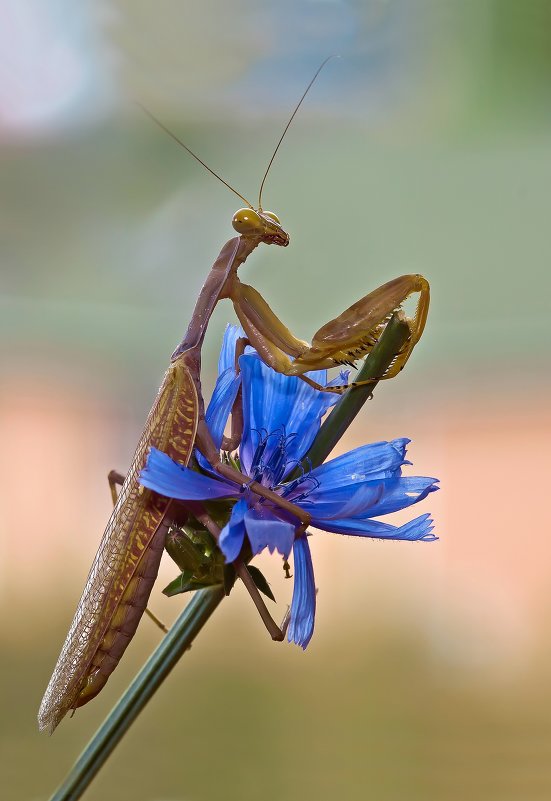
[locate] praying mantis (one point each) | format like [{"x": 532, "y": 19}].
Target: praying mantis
[{"x": 125, "y": 567}]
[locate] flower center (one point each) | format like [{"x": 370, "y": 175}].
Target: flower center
[
  {"x": 270, "y": 457},
  {"x": 271, "y": 463}
]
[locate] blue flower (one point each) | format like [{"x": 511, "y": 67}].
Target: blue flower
[{"x": 282, "y": 416}]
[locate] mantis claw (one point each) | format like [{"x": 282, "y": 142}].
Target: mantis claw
[{"x": 345, "y": 340}]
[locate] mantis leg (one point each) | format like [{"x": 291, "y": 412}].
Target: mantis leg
[
  {"x": 117, "y": 479},
  {"x": 344, "y": 340},
  {"x": 241, "y": 569},
  {"x": 231, "y": 443}
]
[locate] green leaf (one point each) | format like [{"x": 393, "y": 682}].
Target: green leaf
[
  {"x": 260, "y": 581},
  {"x": 184, "y": 584}
]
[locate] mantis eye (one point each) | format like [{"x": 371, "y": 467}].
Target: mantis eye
[
  {"x": 260, "y": 225},
  {"x": 247, "y": 221}
]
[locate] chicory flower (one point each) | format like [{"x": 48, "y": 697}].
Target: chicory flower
[{"x": 282, "y": 416}]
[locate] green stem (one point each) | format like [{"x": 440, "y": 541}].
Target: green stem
[
  {"x": 395, "y": 336},
  {"x": 150, "y": 677}
]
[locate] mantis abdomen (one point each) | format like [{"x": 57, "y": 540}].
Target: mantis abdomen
[{"x": 129, "y": 609}]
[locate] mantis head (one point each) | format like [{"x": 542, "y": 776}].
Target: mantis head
[{"x": 262, "y": 225}]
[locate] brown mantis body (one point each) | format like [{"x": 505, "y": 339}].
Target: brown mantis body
[
  {"x": 126, "y": 565},
  {"x": 124, "y": 569}
]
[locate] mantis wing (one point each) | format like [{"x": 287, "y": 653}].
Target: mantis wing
[{"x": 127, "y": 561}]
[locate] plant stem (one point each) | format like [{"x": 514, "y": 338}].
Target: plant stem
[
  {"x": 156, "y": 669},
  {"x": 395, "y": 336}
]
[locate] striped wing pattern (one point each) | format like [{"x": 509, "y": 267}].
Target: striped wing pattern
[{"x": 171, "y": 426}]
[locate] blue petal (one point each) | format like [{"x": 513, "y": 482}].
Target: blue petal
[
  {"x": 369, "y": 498},
  {"x": 167, "y": 477},
  {"x": 266, "y": 530},
  {"x": 273, "y": 402},
  {"x": 267, "y": 403},
  {"x": 402, "y": 492},
  {"x": 225, "y": 392},
  {"x": 303, "y": 605},
  {"x": 418, "y": 529},
  {"x": 309, "y": 407},
  {"x": 366, "y": 463},
  {"x": 349, "y": 500},
  {"x": 219, "y": 408},
  {"x": 233, "y": 533}
]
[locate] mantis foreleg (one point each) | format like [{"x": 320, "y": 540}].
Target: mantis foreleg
[{"x": 344, "y": 340}]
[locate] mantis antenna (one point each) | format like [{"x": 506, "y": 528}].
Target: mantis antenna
[
  {"x": 298, "y": 105},
  {"x": 191, "y": 153},
  {"x": 212, "y": 172}
]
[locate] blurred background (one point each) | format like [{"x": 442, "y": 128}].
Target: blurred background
[{"x": 426, "y": 147}]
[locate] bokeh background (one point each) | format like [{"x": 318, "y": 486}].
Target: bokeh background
[{"x": 425, "y": 147}]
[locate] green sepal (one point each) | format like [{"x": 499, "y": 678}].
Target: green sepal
[
  {"x": 195, "y": 552},
  {"x": 260, "y": 580},
  {"x": 185, "y": 582},
  {"x": 183, "y": 545}
]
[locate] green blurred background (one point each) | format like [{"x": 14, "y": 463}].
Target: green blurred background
[{"x": 425, "y": 147}]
